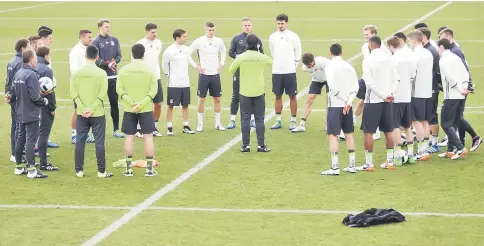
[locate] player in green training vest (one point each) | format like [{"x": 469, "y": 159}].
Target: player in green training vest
[
  {"x": 89, "y": 91},
  {"x": 252, "y": 91},
  {"x": 137, "y": 86}
]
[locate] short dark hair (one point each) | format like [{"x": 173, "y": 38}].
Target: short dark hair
[
  {"x": 178, "y": 33},
  {"x": 150, "y": 26},
  {"x": 21, "y": 44},
  {"x": 421, "y": 24},
  {"x": 448, "y": 31},
  {"x": 444, "y": 42},
  {"x": 252, "y": 42},
  {"x": 426, "y": 32},
  {"x": 440, "y": 29},
  {"x": 27, "y": 55},
  {"x": 401, "y": 35},
  {"x": 376, "y": 40},
  {"x": 43, "y": 51},
  {"x": 282, "y": 17},
  {"x": 307, "y": 59},
  {"x": 92, "y": 52},
  {"x": 209, "y": 24},
  {"x": 44, "y": 31},
  {"x": 83, "y": 32},
  {"x": 101, "y": 22},
  {"x": 336, "y": 49},
  {"x": 138, "y": 51}
]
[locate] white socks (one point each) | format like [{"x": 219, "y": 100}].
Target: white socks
[
  {"x": 200, "y": 118},
  {"x": 217, "y": 119}
]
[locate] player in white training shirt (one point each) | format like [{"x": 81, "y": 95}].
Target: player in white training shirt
[
  {"x": 286, "y": 51},
  {"x": 153, "y": 47},
  {"x": 208, "y": 48},
  {"x": 175, "y": 65}
]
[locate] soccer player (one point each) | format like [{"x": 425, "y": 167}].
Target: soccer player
[
  {"x": 109, "y": 58},
  {"x": 424, "y": 25},
  {"x": 208, "y": 48},
  {"x": 455, "y": 77},
  {"x": 153, "y": 47},
  {"x": 29, "y": 103},
  {"x": 343, "y": 86},
  {"x": 34, "y": 42},
  {"x": 12, "y": 68},
  {"x": 381, "y": 79},
  {"x": 175, "y": 63},
  {"x": 286, "y": 51},
  {"x": 252, "y": 91},
  {"x": 77, "y": 59},
  {"x": 402, "y": 109},
  {"x": 137, "y": 85},
  {"x": 436, "y": 84},
  {"x": 237, "y": 47},
  {"x": 316, "y": 67},
  {"x": 88, "y": 89},
  {"x": 402, "y": 39},
  {"x": 421, "y": 93}
]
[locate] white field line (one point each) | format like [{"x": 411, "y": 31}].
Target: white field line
[
  {"x": 101, "y": 235},
  {"x": 27, "y": 7},
  {"x": 229, "y": 210}
]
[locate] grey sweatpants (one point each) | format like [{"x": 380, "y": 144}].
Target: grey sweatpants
[
  {"x": 27, "y": 134},
  {"x": 46, "y": 123},
  {"x": 450, "y": 119},
  {"x": 83, "y": 125},
  {"x": 257, "y": 107}
]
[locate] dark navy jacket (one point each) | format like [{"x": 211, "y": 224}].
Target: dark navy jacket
[
  {"x": 456, "y": 50},
  {"x": 239, "y": 46},
  {"x": 12, "y": 67},
  {"x": 43, "y": 70},
  {"x": 109, "y": 49},
  {"x": 26, "y": 89},
  {"x": 436, "y": 79}
]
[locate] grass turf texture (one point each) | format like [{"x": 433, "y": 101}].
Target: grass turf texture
[{"x": 287, "y": 178}]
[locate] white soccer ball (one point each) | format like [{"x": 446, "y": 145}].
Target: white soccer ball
[
  {"x": 46, "y": 84},
  {"x": 404, "y": 156}
]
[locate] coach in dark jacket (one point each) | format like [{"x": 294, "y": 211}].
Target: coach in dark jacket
[{"x": 28, "y": 103}]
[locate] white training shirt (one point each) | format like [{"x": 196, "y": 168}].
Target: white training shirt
[
  {"x": 380, "y": 75},
  {"x": 77, "y": 57},
  {"x": 317, "y": 71},
  {"x": 285, "y": 51},
  {"x": 422, "y": 87},
  {"x": 175, "y": 62},
  {"x": 406, "y": 67},
  {"x": 365, "y": 50},
  {"x": 454, "y": 74},
  {"x": 152, "y": 54},
  {"x": 208, "y": 53},
  {"x": 342, "y": 82}
]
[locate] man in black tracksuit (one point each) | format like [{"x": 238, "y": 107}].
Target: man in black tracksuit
[
  {"x": 237, "y": 47},
  {"x": 109, "y": 57},
  {"x": 28, "y": 103},
  {"x": 48, "y": 112},
  {"x": 13, "y": 66}
]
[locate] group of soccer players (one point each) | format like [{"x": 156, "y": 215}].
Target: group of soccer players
[{"x": 398, "y": 91}]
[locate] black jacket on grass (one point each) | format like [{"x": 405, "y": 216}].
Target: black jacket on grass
[{"x": 373, "y": 216}]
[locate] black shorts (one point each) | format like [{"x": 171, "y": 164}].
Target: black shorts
[
  {"x": 159, "y": 94},
  {"x": 402, "y": 113},
  {"x": 284, "y": 83},
  {"x": 361, "y": 90},
  {"x": 433, "y": 105},
  {"x": 421, "y": 108},
  {"x": 317, "y": 87},
  {"x": 210, "y": 83},
  {"x": 177, "y": 96},
  {"x": 130, "y": 123},
  {"x": 377, "y": 115},
  {"x": 337, "y": 121}
]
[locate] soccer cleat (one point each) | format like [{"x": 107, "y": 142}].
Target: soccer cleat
[
  {"x": 80, "y": 174},
  {"x": 331, "y": 172},
  {"x": 459, "y": 153},
  {"x": 73, "y": 139},
  {"x": 245, "y": 148},
  {"x": 443, "y": 142},
  {"x": 49, "y": 167},
  {"x": 376, "y": 135},
  {"x": 433, "y": 149},
  {"x": 299, "y": 128},
  {"x": 138, "y": 134},
  {"x": 150, "y": 173},
  {"x": 292, "y": 125},
  {"x": 252, "y": 123},
  {"x": 231, "y": 124},
  {"x": 199, "y": 127},
  {"x": 263, "y": 148},
  {"x": 388, "y": 165},
  {"x": 104, "y": 175},
  {"x": 411, "y": 159},
  {"x": 12, "y": 159},
  {"x": 90, "y": 139},
  {"x": 157, "y": 134},
  {"x": 342, "y": 137},
  {"x": 188, "y": 130},
  {"x": 277, "y": 125},
  {"x": 476, "y": 142},
  {"x": 35, "y": 174},
  {"x": 366, "y": 167},
  {"x": 20, "y": 171},
  {"x": 422, "y": 156},
  {"x": 128, "y": 172},
  {"x": 220, "y": 127},
  {"x": 350, "y": 169},
  {"x": 118, "y": 134},
  {"x": 446, "y": 154},
  {"x": 50, "y": 144},
  {"x": 169, "y": 132}
]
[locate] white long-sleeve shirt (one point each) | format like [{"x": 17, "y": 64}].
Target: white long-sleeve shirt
[
  {"x": 365, "y": 50},
  {"x": 175, "y": 62},
  {"x": 318, "y": 70},
  {"x": 285, "y": 51},
  {"x": 406, "y": 67},
  {"x": 455, "y": 77},
  {"x": 380, "y": 75},
  {"x": 77, "y": 57},
  {"x": 422, "y": 87},
  {"x": 342, "y": 82},
  {"x": 208, "y": 52},
  {"x": 152, "y": 54}
]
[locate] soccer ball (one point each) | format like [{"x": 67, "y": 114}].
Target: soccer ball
[
  {"x": 46, "y": 84},
  {"x": 404, "y": 156}
]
